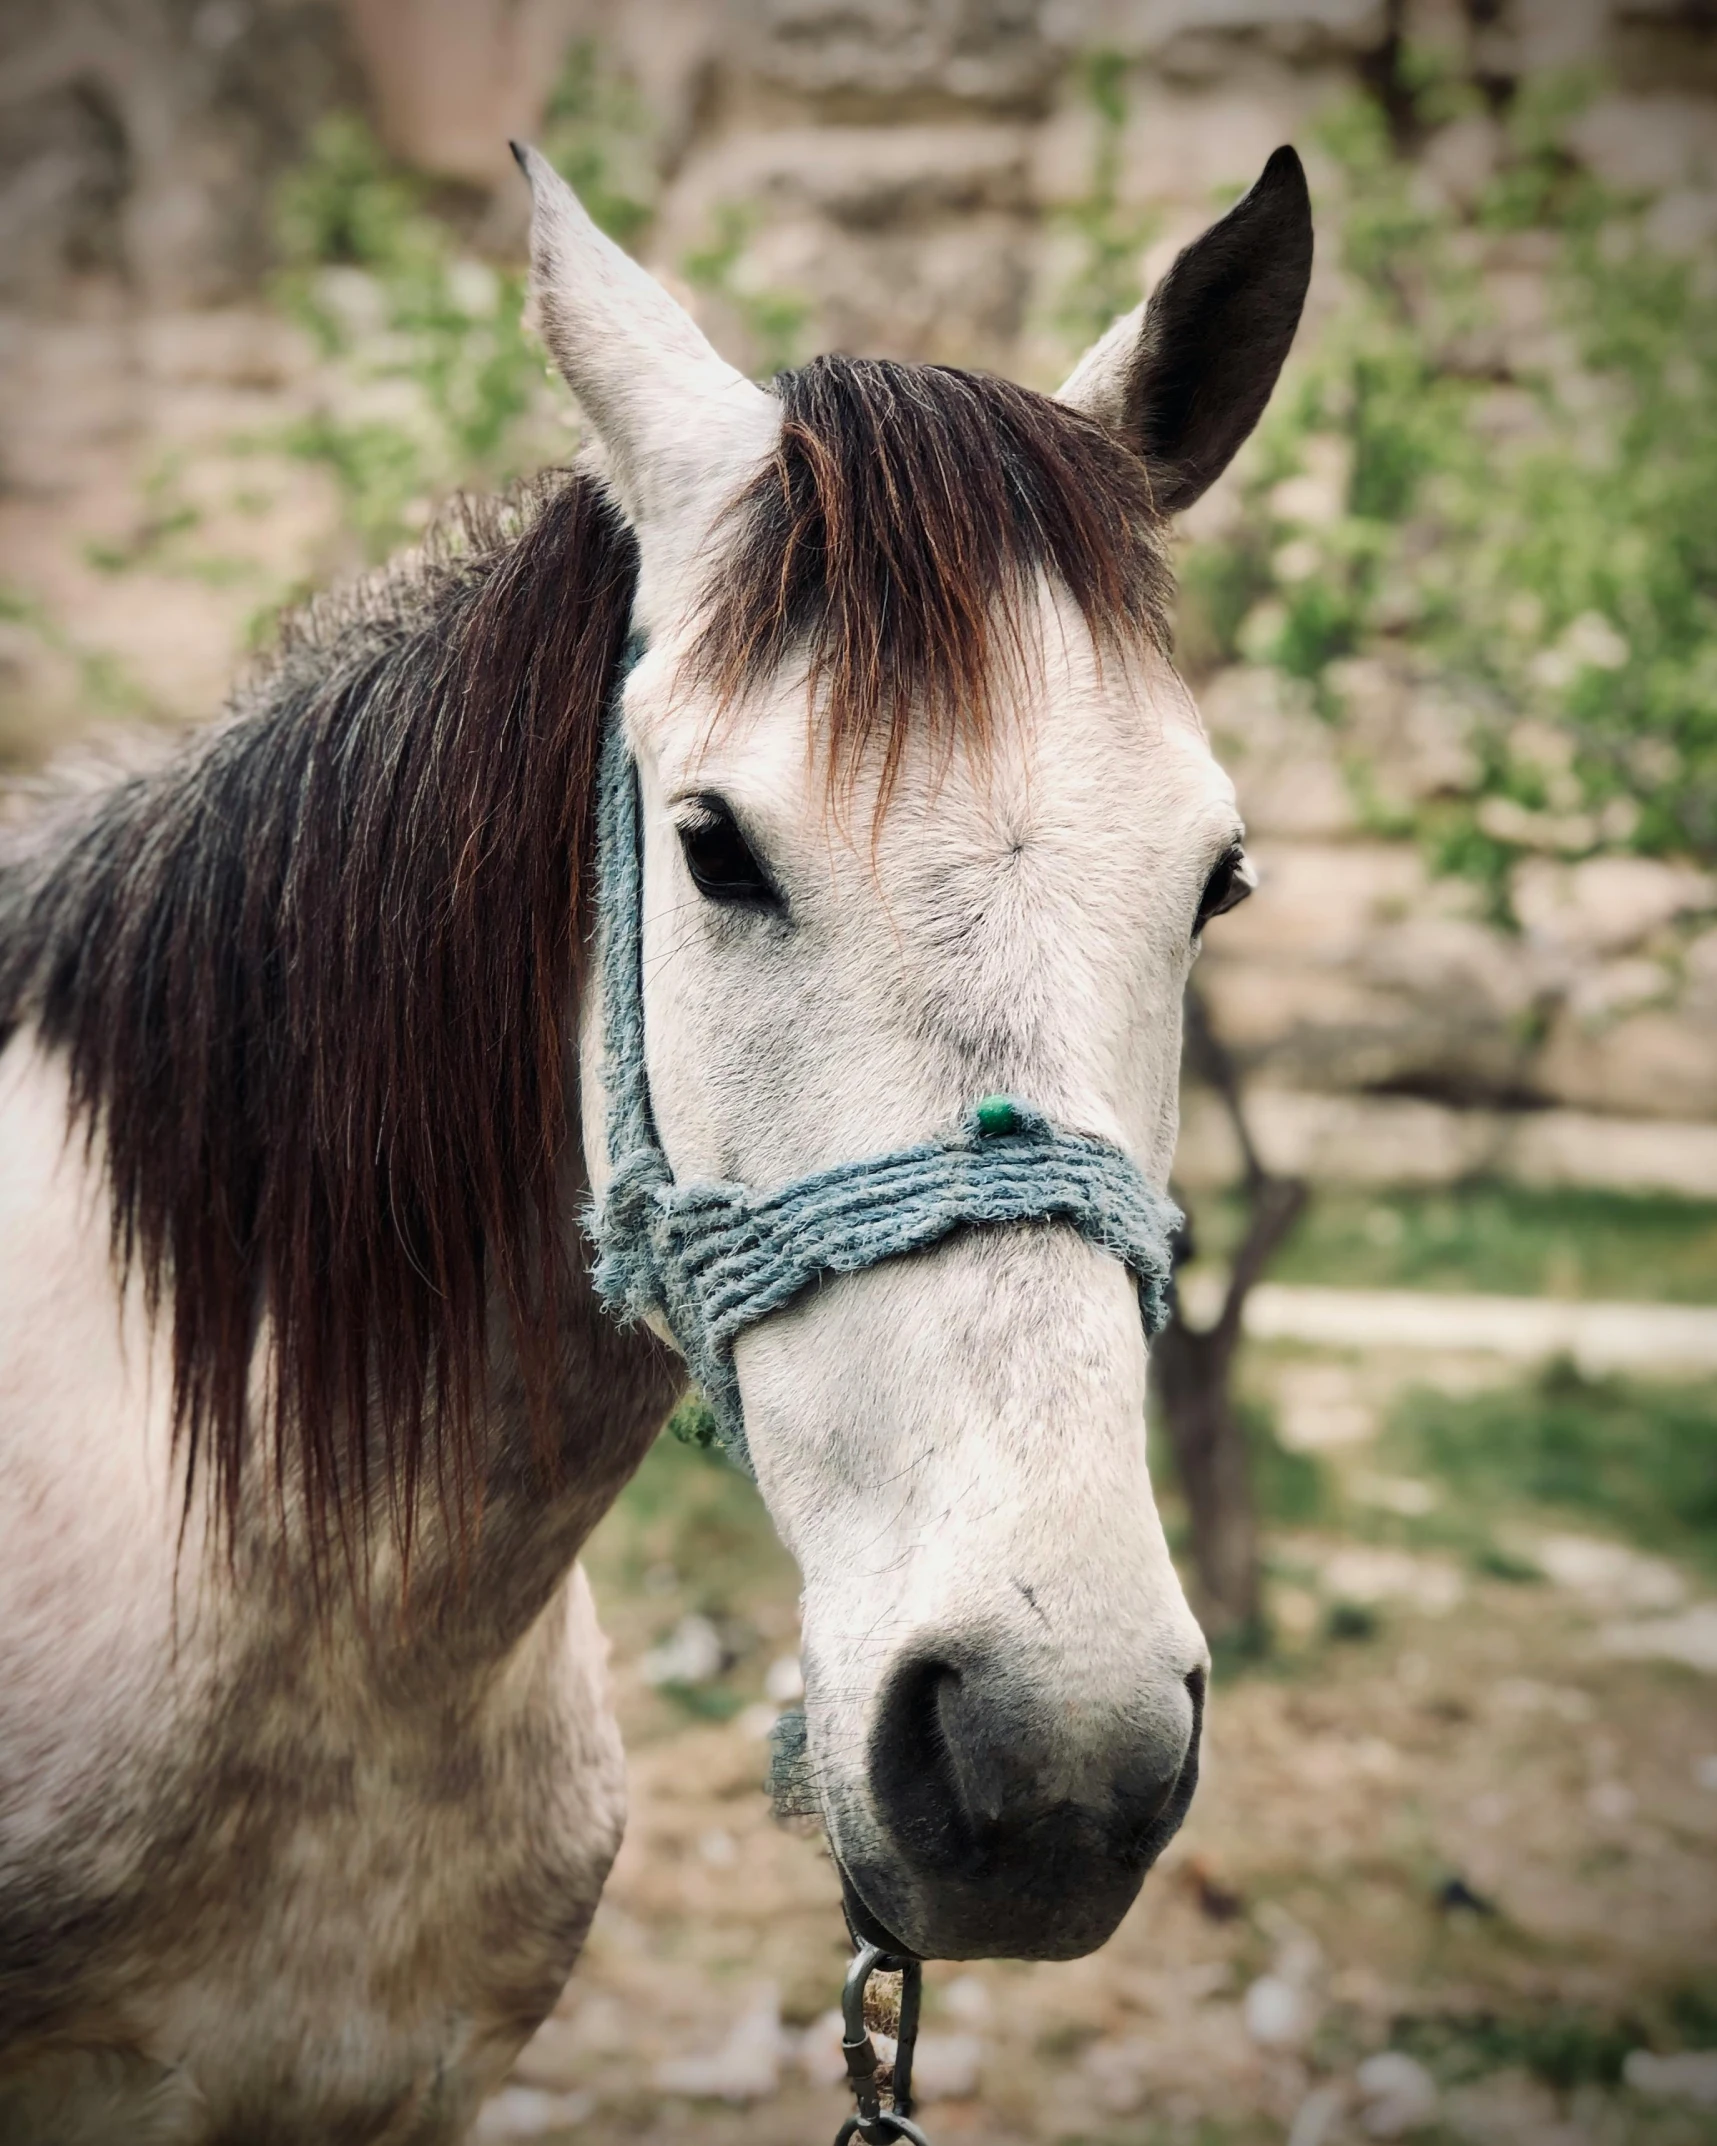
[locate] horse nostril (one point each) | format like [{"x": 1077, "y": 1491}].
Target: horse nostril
[{"x": 913, "y": 1776}]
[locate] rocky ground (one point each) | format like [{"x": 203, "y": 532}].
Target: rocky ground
[{"x": 1449, "y": 1874}]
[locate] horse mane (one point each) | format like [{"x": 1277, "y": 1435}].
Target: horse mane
[{"x": 313, "y": 978}]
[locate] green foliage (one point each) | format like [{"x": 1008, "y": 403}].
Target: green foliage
[
  {"x": 771, "y": 319},
  {"x": 1512, "y": 1240},
  {"x": 1538, "y": 537},
  {"x": 430, "y": 370},
  {"x": 693, "y": 1423},
  {"x": 434, "y": 385},
  {"x": 345, "y": 206},
  {"x": 105, "y": 686},
  {"x": 1292, "y": 1489},
  {"x": 689, "y": 1533},
  {"x": 1638, "y": 1458},
  {"x": 599, "y": 136},
  {"x": 1110, "y": 234},
  {"x": 1352, "y": 1623},
  {"x": 167, "y": 515},
  {"x": 1566, "y": 2049}
]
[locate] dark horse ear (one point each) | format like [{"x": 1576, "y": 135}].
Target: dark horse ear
[{"x": 1184, "y": 378}]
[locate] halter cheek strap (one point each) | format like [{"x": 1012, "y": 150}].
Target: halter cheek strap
[{"x": 712, "y": 1259}]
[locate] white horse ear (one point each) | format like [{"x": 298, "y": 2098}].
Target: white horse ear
[
  {"x": 682, "y": 428},
  {"x": 1183, "y": 379}
]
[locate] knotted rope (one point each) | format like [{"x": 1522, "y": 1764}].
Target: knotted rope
[{"x": 712, "y": 1259}]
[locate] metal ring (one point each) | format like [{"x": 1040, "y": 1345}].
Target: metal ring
[{"x": 871, "y": 2133}]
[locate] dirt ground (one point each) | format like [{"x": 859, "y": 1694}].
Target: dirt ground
[{"x": 1458, "y": 1818}]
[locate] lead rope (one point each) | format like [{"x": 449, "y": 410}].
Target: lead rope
[{"x": 873, "y": 2124}]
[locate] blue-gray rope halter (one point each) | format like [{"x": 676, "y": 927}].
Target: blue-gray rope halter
[{"x": 712, "y": 1259}]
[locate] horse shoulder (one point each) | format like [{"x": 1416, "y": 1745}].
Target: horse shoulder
[
  {"x": 231, "y": 1862},
  {"x": 89, "y": 1524}
]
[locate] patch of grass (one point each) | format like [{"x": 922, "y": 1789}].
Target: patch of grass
[
  {"x": 1292, "y": 1489},
  {"x": 1353, "y": 1622},
  {"x": 1638, "y": 1459},
  {"x": 772, "y": 320},
  {"x": 690, "y": 1522},
  {"x": 1496, "y": 1563},
  {"x": 1564, "y": 2049},
  {"x": 1511, "y": 1240},
  {"x": 705, "y": 1702}
]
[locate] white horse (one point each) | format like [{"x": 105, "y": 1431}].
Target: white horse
[{"x": 308, "y": 1780}]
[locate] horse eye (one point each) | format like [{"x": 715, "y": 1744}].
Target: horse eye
[
  {"x": 720, "y": 859},
  {"x": 1226, "y": 888}
]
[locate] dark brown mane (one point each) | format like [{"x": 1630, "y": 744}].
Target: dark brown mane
[
  {"x": 894, "y": 538},
  {"x": 313, "y": 978},
  {"x": 312, "y": 981}
]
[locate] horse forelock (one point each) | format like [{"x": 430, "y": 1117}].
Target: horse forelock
[
  {"x": 892, "y": 542},
  {"x": 314, "y": 977}
]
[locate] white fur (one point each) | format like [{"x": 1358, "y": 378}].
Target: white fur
[
  {"x": 352, "y": 1955},
  {"x": 1097, "y": 385},
  {"x": 680, "y": 427}
]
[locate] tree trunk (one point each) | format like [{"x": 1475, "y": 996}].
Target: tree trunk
[
  {"x": 1192, "y": 1370},
  {"x": 1193, "y": 1376}
]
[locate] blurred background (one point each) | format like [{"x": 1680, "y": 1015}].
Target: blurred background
[{"x": 1437, "y": 1428}]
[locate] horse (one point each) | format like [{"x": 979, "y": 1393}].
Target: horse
[{"x": 309, "y": 1781}]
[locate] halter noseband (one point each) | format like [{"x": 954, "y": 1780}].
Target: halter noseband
[{"x": 712, "y": 1259}]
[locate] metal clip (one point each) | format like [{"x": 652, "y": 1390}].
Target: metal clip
[{"x": 874, "y": 2125}]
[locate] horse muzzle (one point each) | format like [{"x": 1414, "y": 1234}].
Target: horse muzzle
[{"x": 995, "y": 1823}]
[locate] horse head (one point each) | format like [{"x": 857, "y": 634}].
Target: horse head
[{"x": 927, "y": 815}]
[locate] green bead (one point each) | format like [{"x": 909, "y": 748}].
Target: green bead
[{"x": 996, "y": 1115}]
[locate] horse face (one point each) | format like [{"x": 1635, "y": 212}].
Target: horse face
[{"x": 1004, "y": 1682}]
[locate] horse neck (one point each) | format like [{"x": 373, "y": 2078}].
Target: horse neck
[{"x": 448, "y": 1600}]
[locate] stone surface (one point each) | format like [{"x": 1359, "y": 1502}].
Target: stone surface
[
  {"x": 1404, "y": 1140},
  {"x": 913, "y": 176},
  {"x": 455, "y": 80},
  {"x": 1660, "y": 1064},
  {"x": 1607, "y": 903},
  {"x": 986, "y": 53},
  {"x": 1396, "y": 2094},
  {"x": 746, "y": 2066},
  {"x": 1281, "y": 755},
  {"x": 146, "y": 140},
  {"x": 1180, "y": 34}
]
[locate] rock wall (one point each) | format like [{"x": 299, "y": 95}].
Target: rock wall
[
  {"x": 923, "y": 178},
  {"x": 140, "y": 138}
]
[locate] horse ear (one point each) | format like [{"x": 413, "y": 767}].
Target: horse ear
[
  {"x": 1184, "y": 379},
  {"x": 681, "y": 427}
]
